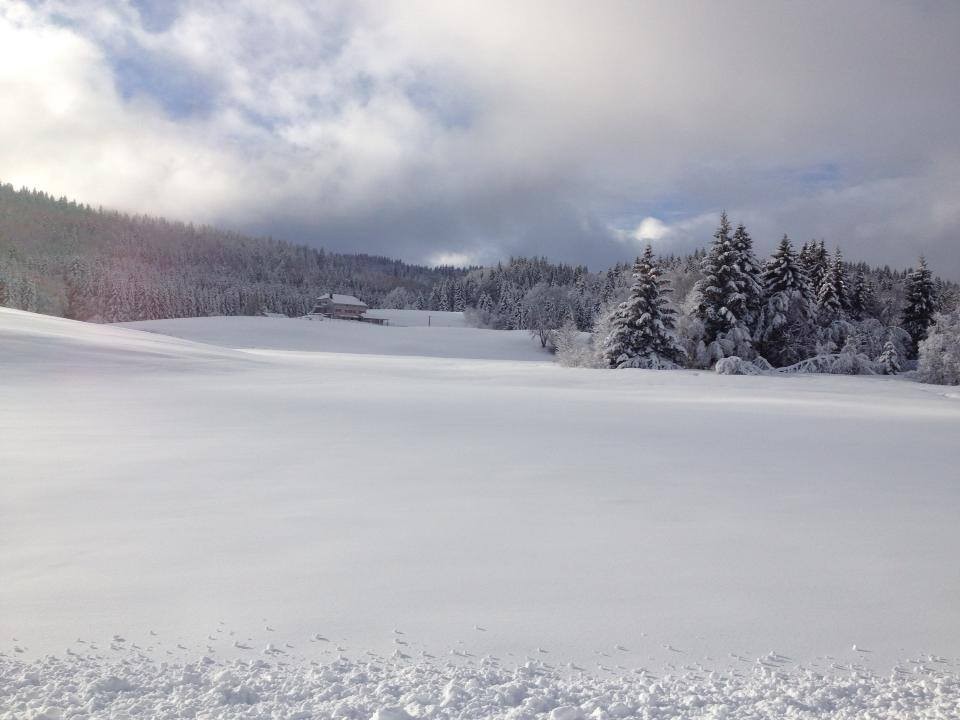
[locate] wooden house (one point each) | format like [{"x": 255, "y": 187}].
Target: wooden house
[{"x": 344, "y": 307}]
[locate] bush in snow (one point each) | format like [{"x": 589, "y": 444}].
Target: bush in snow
[
  {"x": 575, "y": 348},
  {"x": 940, "y": 351},
  {"x": 736, "y": 366},
  {"x": 843, "y": 363},
  {"x": 870, "y": 337},
  {"x": 889, "y": 360}
]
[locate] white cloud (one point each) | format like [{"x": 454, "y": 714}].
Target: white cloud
[
  {"x": 455, "y": 259},
  {"x": 651, "y": 229}
]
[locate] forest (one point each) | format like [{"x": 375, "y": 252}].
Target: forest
[
  {"x": 805, "y": 308},
  {"x": 62, "y": 258}
]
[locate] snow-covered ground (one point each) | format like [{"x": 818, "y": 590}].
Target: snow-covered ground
[
  {"x": 284, "y": 506},
  {"x": 407, "y": 334}
]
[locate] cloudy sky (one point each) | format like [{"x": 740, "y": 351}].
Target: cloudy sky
[{"x": 469, "y": 131}]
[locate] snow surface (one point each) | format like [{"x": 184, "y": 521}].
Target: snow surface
[
  {"x": 408, "y": 334},
  {"x": 184, "y": 499}
]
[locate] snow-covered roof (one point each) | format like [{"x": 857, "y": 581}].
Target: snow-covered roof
[{"x": 342, "y": 299}]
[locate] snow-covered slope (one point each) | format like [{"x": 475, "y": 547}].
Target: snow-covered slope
[
  {"x": 35, "y": 343},
  {"x": 408, "y": 334},
  {"x": 196, "y": 500}
]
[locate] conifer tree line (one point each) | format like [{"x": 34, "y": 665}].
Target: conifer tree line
[
  {"x": 62, "y": 258},
  {"x": 806, "y": 311}
]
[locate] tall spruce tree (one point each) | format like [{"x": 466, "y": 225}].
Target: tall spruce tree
[
  {"x": 859, "y": 298},
  {"x": 640, "y": 326},
  {"x": 786, "y": 324},
  {"x": 921, "y": 304},
  {"x": 839, "y": 280},
  {"x": 831, "y": 291},
  {"x": 815, "y": 262},
  {"x": 751, "y": 282},
  {"x": 721, "y": 297}
]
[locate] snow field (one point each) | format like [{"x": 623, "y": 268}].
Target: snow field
[
  {"x": 407, "y": 335},
  {"x": 194, "y": 499}
]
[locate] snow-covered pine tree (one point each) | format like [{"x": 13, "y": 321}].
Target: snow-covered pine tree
[
  {"x": 485, "y": 303},
  {"x": 921, "y": 303},
  {"x": 828, "y": 299},
  {"x": 723, "y": 304},
  {"x": 786, "y": 322},
  {"x": 640, "y": 326},
  {"x": 751, "y": 282},
  {"x": 859, "y": 298},
  {"x": 815, "y": 262},
  {"x": 838, "y": 277},
  {"x": 889, "y": 360},
  {"x": 721, "y": 282},
  {"x": 459, "y": 303}
]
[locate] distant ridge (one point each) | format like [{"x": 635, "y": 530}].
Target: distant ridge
[{"x": 60, "y": 257}]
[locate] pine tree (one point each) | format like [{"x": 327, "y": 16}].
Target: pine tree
[
  {"x": 921, "y": 304},
  {"x": 640, "y": 336},
  {"x": 459, "y": 304},
  {"x": 831, "y": 291},
  {"x": 786, "y": 323},
  {"x": 838, "y": 277},
  {"x": 859, "y": 298},
  {"x": 485, "y": 303},
  {"x": 751, "y": 283},
  {"x": 815, "y": 262},
  {"x": 722, "y": 302}
]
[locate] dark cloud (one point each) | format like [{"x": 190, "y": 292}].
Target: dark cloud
[{"x": 480, "y": 130}]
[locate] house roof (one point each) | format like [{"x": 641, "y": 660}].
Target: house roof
[{"x": 342, "y": 299}]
